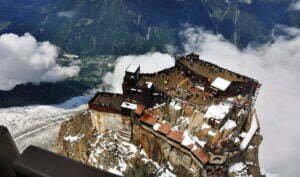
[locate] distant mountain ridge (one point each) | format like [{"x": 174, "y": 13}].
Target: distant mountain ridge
[{"x": 119, "y": 27}]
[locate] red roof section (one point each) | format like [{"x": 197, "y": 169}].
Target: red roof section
[
  {"x": 148, "y": 119},
  {"x": 140, "y": 109},
  {"x": 164, "y": 128},
  {"x": 201, "y": 155},
  {"x": 203, "y": 93},
  {"x": 176, "y": 136}
]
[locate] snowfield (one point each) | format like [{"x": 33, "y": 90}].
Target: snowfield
[{"x": 39, "y": 124}]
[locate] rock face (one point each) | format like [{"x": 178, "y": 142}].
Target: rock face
[
  {"x": 109, "y": 121},
  {"x": 161, "y": 151},
  {"x": 86, "y": 139},
  {"x": 75, "y": 136}
]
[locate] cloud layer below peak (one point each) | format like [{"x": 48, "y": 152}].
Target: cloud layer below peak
[{"x": 23, "y": 59}]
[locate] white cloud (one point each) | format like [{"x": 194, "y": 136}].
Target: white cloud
[
  {"x": 277, "y": 66},
  {"x": 295, "y": 5},
  {"x": 23, "y": 60},
  {"x": 149, "y": 63},
  {"x": 66, "y": 14}
]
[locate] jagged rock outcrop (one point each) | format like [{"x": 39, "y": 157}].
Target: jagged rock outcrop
[
  {"x": 81, "y": 138},
  {"x": 75, "y": 136}
]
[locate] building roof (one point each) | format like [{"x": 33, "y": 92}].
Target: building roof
[
  {"x": 128, "y": 105},
  {"x": 132, "y": 68},
  {"x": 165, "y": 128},
  {"x": 220, "y": 83},
  {"x": 108, "y": 100},
  {"x": 201, "y": 155},
  {"x": 140, "y": 109},
  {"x": 148, "y": 119},
  {"x": 218, "y": 111},
  {"x": 202, "y": 88},
  {"x": 229, "y": 124},
  {"x": 176, "y": 135}
]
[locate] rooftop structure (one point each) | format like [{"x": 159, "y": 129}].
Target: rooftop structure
[
  {"x": 218, "y": 111},
  {"x": 148, "y": 119},
  {"x": 165, "y": 128},
  {"x": 196, "y": 106},
  {"x": 220, "y": 83},
  {"x": 132, "y": 68},
  {"x": 175, "y": 135}
]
